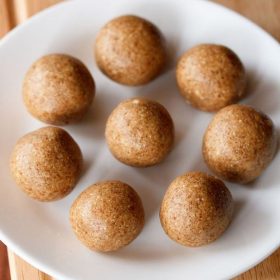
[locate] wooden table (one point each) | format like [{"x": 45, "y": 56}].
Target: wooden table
[{"x": 266, "y": 13}]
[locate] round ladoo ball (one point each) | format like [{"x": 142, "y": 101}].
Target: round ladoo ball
[
  {"x": 130, "y": 50},
  {"x": 46, "y": 163},
  {"x": 140, "y": 132},
  {"x": 107, "y": 216},
  {"x": 210, "y": 77},
  {"x": 239, "y": 143},
  {"x": 196, "y": 209},
  {"x": 58, "y": 89}
]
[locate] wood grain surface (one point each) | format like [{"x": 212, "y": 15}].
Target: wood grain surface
[
  {"x": 5, "y": 17},
  {"x": 4, "y": 265},
  {"x": 265, "y": 13}
]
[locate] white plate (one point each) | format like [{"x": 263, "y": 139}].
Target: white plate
[{"x": 40, "y": 232}]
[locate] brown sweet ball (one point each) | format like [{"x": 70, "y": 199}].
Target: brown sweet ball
[
  {"x": 239, "y": 143},
  {"x": 130, "y": 50},
  {"x": 196, "y": 209},
  {"x": 46, "y": 163},
  {"x": 107, "y": 216},
  {"x": 140, "y": 132},
  {"x": 58, "y": 89},
  {"x": 210, "y": 77}
]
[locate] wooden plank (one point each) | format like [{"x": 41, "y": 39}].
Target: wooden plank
[
  {"x": 4, "y": 265},
  {"x": 21, "y": 270},
  {"x": 267, "y": 270},
  {"x": 5, "y": 19},
  {"x": 24, "y": 9},
  {"x": 266, "y": 13}
]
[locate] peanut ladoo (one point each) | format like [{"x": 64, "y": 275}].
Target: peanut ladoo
[
  {"x": 107, "y": 216},
  {"x": 58, "y": 89},
  {"x": 46, "y": 163},
  {"x": 140, "y": 132},
  {"x": 239, "y": 143},
  {"x": 196, "y": 209},
  {"x": 130, "y": 50},
  {"x": 210, "y": 77}
]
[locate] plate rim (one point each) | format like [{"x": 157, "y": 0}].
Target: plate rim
[{"x": 15, "y": 248}]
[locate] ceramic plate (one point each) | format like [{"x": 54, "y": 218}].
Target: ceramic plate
[{"x": 41, "y": 233}]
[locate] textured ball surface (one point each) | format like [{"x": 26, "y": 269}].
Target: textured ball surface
[
  {"x": 210, "y": 77},
  {"x": 46, "y": 163},
  {"x": 107, "y": 216},
  {"x": 196, "y": 209},
  {"x": 140, "y": 132},
  {"x": 239, "y": 143},
  {"x": 58, "y": 89},
  {"x": 130, "y": 50}
]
